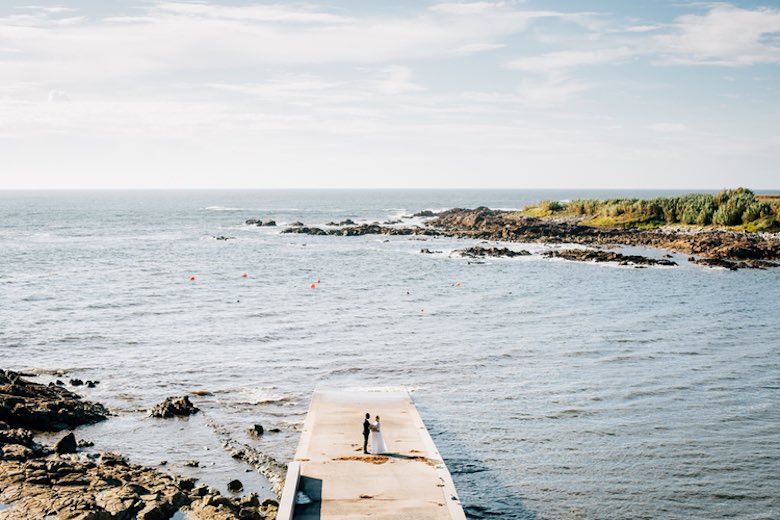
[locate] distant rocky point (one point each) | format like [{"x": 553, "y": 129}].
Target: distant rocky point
[{"x": 734, "y": 229}]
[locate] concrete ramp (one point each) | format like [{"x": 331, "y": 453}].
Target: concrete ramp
[{"x": 331, "y": 478}]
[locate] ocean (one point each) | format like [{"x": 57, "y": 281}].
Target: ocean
[{"x": 554, "y": 389}]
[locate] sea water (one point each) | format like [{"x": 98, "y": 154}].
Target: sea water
[{"x": 554, "y": 389}]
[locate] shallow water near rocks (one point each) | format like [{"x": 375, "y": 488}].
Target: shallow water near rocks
[{"x": 554, "y": 389}]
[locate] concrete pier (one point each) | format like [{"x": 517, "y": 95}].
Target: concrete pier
[{"x": 332, "y": 478}]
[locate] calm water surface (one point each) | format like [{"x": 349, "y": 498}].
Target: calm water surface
[{"x": 554, "y": 389}]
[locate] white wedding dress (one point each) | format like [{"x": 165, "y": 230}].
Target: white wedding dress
[{"x": 377, "y": 442}]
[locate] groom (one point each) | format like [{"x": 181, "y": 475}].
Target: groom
[{"x": 366, "y": 431}]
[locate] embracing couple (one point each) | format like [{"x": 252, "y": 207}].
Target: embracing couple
[{"x": 375, "y": 429}]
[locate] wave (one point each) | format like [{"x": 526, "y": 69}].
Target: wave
[
  {"x": 280, "y": 401},
  {"x": 223, "y": 208}
]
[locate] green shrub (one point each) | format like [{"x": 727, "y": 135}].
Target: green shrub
[
  {"x": 727, "y": 208},
  {"x": 553, "y": 206},
  {"x": 727, "y": 216},
  {"x": 756, "y": 211}
]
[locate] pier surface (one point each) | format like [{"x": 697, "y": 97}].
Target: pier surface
[{"x": 330, "y": 469}]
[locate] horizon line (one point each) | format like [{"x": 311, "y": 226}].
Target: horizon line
[{"x": 382, "y": 188}]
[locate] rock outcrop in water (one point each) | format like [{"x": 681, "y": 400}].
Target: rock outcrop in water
[
  {"x": 66, "y": 445},
  {"x": 362, "y": 229},
  {"x": 495, "y": 252},
  {"x": 24, "y": 404},
  {"x": 258, "y": 222},
  {"x": 731, "y": 264},
  {"x": 174, "y": 407},
  {"x": 597, "y": 255}
]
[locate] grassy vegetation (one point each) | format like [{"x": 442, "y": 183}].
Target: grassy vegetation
[{"x": 738, "y": 208}]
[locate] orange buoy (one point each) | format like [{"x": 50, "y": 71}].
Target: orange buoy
[
  {"x": 245, "y": 275},
  {"x": 318, "y": 280},
  {"x": 313, "y": 286},
  {"x": 192, "y": 278}
]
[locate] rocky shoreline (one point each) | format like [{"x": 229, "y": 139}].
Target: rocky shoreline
[
  {"x": 758, "y": 250},
  {"x": 70, "y": 482},
  {"x": 706, "y": 246}
]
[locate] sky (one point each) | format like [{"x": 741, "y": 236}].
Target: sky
[{"x": 401, "y": 94}]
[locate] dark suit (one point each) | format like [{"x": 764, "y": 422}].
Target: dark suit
[{"x": 366, "y": 431}]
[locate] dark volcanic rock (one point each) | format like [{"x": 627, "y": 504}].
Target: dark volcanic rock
[
  {"x": 297, "y": 223},
  {"x": 732, "y": 265},
  {"x": 597, "y": 255},
  {"x": 425, "y": 213},
  {"x": 174, "y": 406},
  {"x": 256, "y": 430},
  {"x": 235, "y": 486},
  {"x": 716, "y": 262},
  {"x": 258, "y": 222},
  {"x": 66, "y": 445},
  {"x": 481, "y": 252},
  {"x": 363, "y": 229},
  {"x": 304, "y": 230},
  {"x": 347, "y": 222},
  {"x": 24, "y": 404},
  {"x": 76, "y": 382}
]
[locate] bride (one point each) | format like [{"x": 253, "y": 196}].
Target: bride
[{"x": 377, "y": 442}]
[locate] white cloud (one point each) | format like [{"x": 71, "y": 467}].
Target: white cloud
[
  {"x": 396, "y": 79},
  {"x": 642, "y": 28},
  {"x": 668, "y": 127},
  {"x": 554, "y": 61},
  {"x": 552, "y": 92},
  {"x": 47, "y": 9},
  {"x": 726, "y": 35},
  {"x": 474, "y": 48},
  {"x": 57, "y": 96},
  {"x": 175, "y": 93},
  {"x": 260, "y": 13},
  {"x": 285, "y": 87},
  {"x": 335, "y": 95},
  {"x": 465, "y": 8},
  {"x": 175, "y": 36}
]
